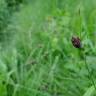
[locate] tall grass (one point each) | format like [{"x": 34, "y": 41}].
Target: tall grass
[{"x": 39, "y": 59}]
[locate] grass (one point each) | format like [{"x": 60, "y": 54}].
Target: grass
[{"x": 39, "y": 59}]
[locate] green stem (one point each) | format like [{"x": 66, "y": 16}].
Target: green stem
[{"x": 90, "y": 76}]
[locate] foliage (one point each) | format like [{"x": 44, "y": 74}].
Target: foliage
[
  {"x": 3, "y": 14},
  {"x": 40, "y": 60}
]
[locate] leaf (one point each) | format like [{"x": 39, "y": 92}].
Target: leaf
[{"x": 90, "y": 91}]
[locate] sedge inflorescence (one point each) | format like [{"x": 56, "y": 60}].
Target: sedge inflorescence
[{"x": 76, "y": 42}]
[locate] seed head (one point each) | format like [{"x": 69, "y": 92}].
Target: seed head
[{"x": 76, "y": 42}]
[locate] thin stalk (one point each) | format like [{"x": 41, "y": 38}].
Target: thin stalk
[{"x": 90, "y": 76}]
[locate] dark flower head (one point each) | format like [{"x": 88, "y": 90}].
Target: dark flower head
[{"x": 76, "y": 42}]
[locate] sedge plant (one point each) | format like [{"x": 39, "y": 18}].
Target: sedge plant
[{"x": 76, "y": 41}]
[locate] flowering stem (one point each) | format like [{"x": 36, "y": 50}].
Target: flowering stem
[{"x": 90, "y": 76}]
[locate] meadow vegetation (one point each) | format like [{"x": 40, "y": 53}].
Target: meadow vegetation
[{"x": 37, "y": 57}]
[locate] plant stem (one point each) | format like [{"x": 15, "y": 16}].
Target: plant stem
[{"x": 90, "y": 76}]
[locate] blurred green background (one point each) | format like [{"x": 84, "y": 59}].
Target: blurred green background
[{"x": 36, "y": 54}]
